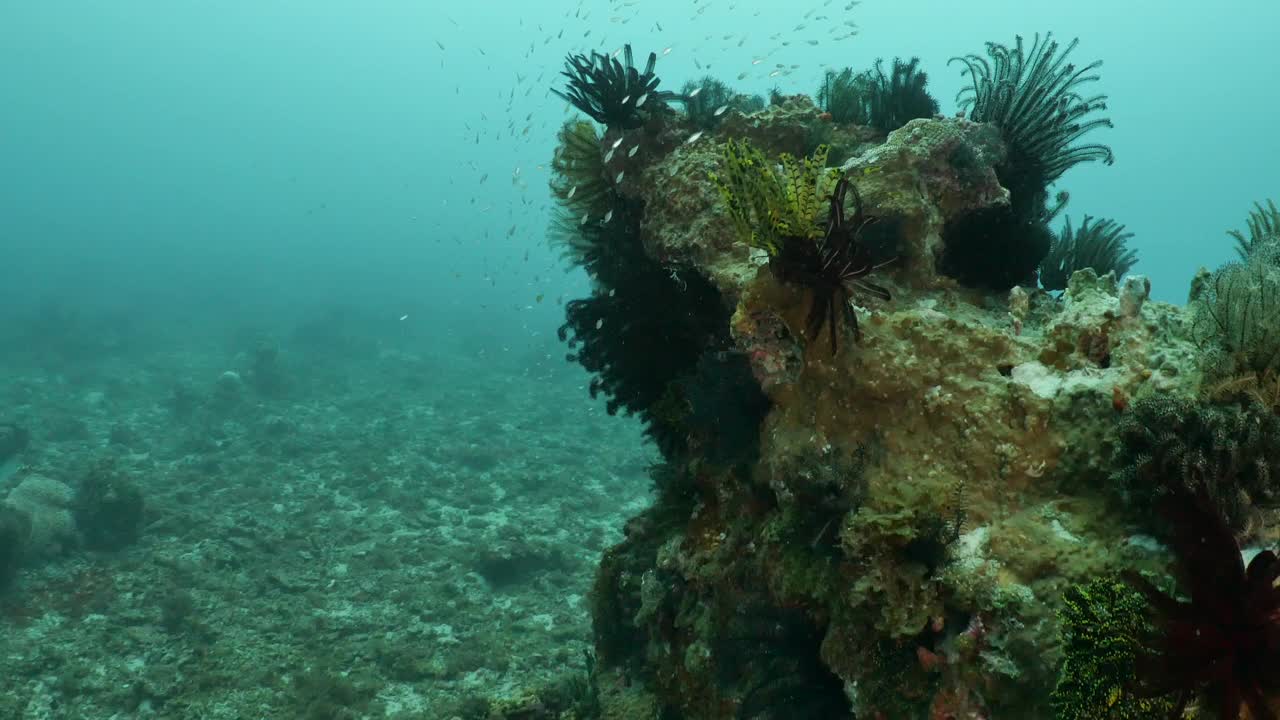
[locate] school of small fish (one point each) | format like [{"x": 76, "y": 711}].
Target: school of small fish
[{"x": 516, "y": 127}]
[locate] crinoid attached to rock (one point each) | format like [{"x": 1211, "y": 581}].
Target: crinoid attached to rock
[
  {"x": 1235, "y": 314},
  {"x": 884, "y": 101},
  {"x": 1229, "y": 448},
  {"x": 1219, "y": 641},
  {"x": 841, "y": 96},
  {"x": 613, "y": 93},
  {"x": 1101, "y": 245},
  {"x": 707, "y": 99},
  {"x": 1263, "y": 227},
  {"x": 776, "y": 210},
  {"x": 1034, "y": 98},
  {"x": 833, "y": 268}
]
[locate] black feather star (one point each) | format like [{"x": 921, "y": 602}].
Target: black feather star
[
  {"x": 1033, "y": 98},
  {"x": 1101, "y": 245},
  {"x": 613, "y": 93}
]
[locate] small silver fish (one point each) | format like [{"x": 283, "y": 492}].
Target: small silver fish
[
  {"x": 694, "y": 94},
  {"x": 609, "y": 156},
  {"x": 618, "y": 180},
  {"x": 720, "y": 110},
  {"x": 633, "y": 150},
  {"x": 608, "y": 216},
  {"x": 583, "y": 221},
  {"x": 625, "y": 99},
  {"x": 666, "y": 52},
  {"x": 573, "y": 190},
  {"x": 615, "y": 144},
  {"x": 693, "y": 138},
  {"x": 641, "y": 100}
]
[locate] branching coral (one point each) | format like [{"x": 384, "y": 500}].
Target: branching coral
[
  {"x": 1033, "y": 98},
  {"x": 776, "y": 211},
  {"x": 1263, "y": 226},
  {"x": 1220, "y": 641},
  {"x": 1103, "y": 624},
  {"x": 1101, "y": 246},
  {"x": 706, "y": 100},
  {"x": 885, "y": 102},
  {"x": 612, "y": 93}
]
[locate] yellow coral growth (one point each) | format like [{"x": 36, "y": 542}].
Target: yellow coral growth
[{"x": 771, "y": 205}]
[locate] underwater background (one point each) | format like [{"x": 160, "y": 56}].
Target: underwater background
[{"x": 281, "y": 388}]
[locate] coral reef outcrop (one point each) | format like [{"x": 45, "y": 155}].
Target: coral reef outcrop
[{"x": 918, "y": 500}]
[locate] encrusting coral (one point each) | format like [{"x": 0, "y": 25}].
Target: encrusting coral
[{"x": 888, "y": 530}]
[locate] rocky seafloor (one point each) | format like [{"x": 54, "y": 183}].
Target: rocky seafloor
[{"x": 325, "y": 534}]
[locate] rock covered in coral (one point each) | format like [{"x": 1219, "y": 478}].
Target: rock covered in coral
[
  {"x": 926, "y": 173},
  {"x": 920, "y": 494},
  {"x": 683, "y": 223},
  {"x": 47, "y": 504}
]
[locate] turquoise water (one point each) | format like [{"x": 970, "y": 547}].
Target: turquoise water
[{"x": 284, "y": 266}]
